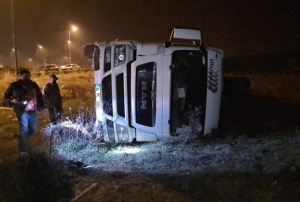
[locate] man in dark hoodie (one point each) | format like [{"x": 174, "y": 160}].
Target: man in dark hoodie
[
  {"x": 53, "y": 99},
  {"x": 25, "y": 97}
]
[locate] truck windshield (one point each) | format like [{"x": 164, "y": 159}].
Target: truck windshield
[{"x": 188, "y": 87}]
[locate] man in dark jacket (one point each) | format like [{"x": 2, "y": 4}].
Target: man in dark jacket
[
  {"x": 53, "y": 99},
  {"x": 25, "y": 97}
]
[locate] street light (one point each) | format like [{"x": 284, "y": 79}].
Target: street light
[
  {"x": 12, "y": 52},
  {"x": 74, "y": 28},
  {"x": 37, "y": 50},
  {"x": 30, "y": 62}
]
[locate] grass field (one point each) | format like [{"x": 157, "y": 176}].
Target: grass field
[{"x": 255, "y": 156}]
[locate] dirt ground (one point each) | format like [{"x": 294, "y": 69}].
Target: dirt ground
[{"x": 40, "y": 178}]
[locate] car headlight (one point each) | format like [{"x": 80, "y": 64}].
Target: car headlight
[
  {"x": 120, "y": 55},
  {"x": 122, "y": 133}
]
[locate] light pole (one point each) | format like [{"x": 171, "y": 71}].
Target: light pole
[
  {"x": 14, "y": 38},
  {"x": 74, "y": 28}
]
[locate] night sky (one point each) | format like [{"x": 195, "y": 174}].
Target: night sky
[{"x": 238, "y": 27}]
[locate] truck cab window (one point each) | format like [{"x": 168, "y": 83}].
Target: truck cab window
[
  {"x": 189, "y": 78},
  {"x": 96, "y": 58}
]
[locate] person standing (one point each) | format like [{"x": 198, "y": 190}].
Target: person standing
[
  {"x": 53, "y": 99},
  {"x": 25, "y": 97}
]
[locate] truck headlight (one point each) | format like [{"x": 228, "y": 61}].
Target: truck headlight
[
  {"x": 122, "y": 133},
  {"x": 120, "y": 55}
]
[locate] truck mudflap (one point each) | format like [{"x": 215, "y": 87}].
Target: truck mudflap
[{"x": 214, "y": 90}]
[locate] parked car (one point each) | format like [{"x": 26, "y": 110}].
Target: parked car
[
  {"x": 66, "y": 67},
  {"x": 50, "y": 67},
  {"x": 70, "y": 67}
]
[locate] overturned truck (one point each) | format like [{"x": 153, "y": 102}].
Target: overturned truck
[{"x": 144, "y": 91}]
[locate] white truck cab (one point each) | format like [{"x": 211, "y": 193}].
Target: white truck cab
[{"x": 143, "y": 91}]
